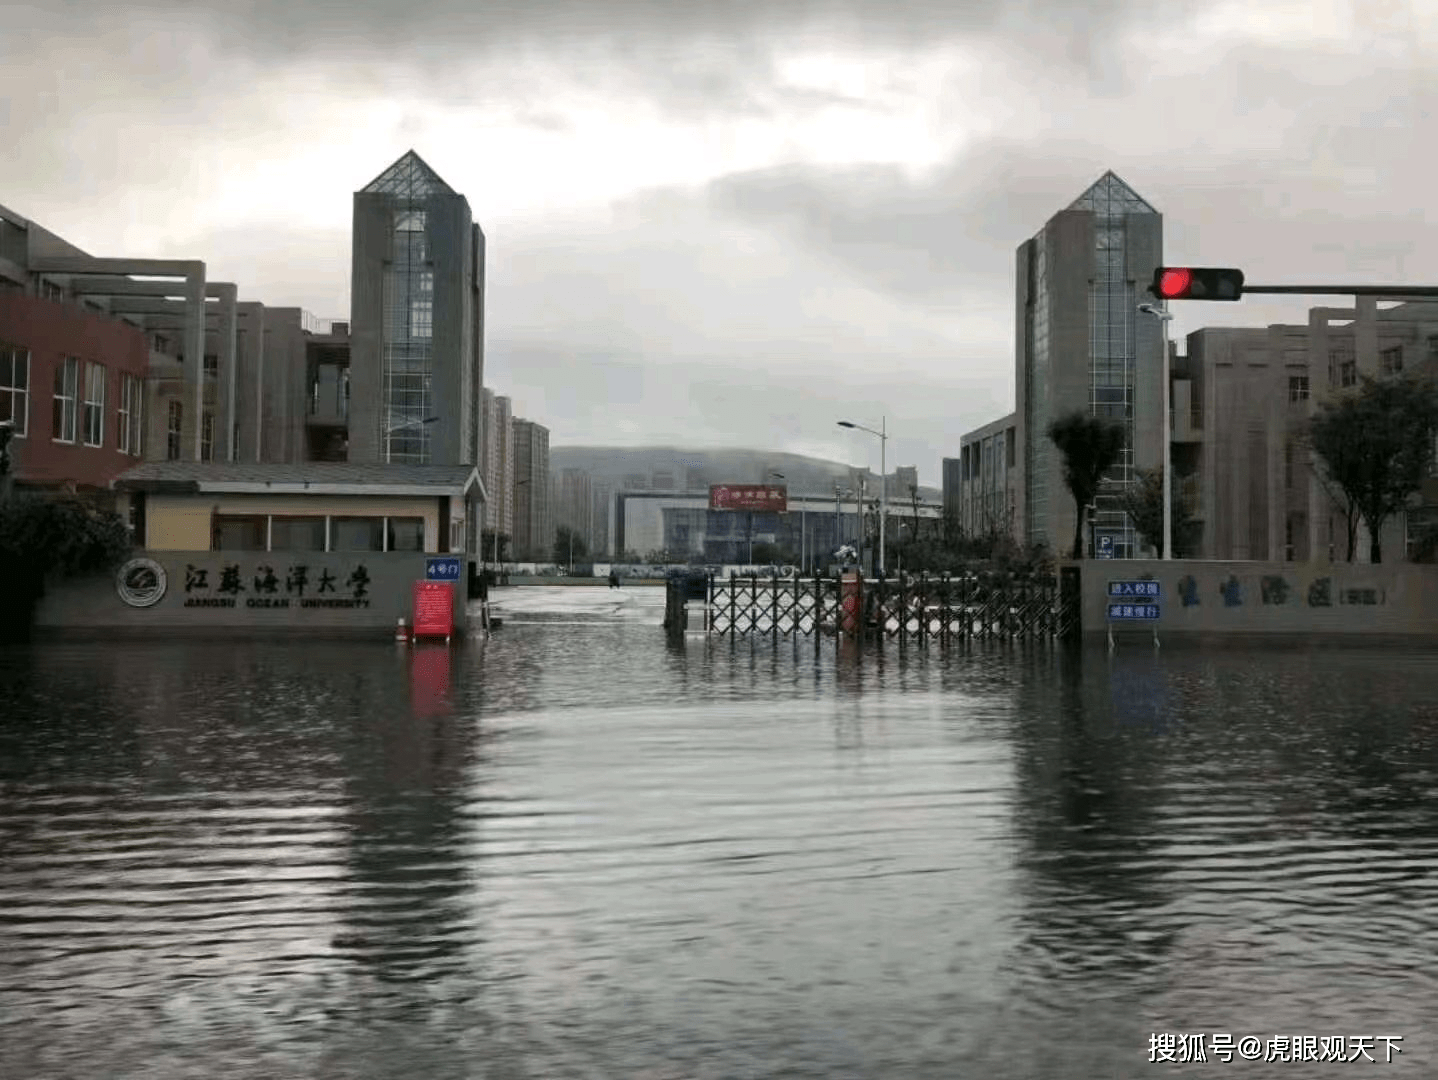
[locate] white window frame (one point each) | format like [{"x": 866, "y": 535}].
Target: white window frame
[
  {"x": 95, "y": 378},
  {"x": 67, "y": 398},
  {"x": 19, "y": 395},
  {"x": 131, "y": 404}
]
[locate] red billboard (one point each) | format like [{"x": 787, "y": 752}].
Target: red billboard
[{"x": 749, "y": 497}]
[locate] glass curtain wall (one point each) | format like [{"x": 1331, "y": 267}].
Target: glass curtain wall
[
  {"x": 408, "y": 337},
  {"x": 1039, "y": 451},
  {"x": 1113, "y": 317}
]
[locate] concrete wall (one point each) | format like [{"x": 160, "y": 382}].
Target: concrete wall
[
  {"x": 1270, "y": 598},
  {"x": 182, "y": 523},
  {"x": 450, "y": 234},
  {"x": 370, "y": 234},
  {"x": 347, "y": 604}
]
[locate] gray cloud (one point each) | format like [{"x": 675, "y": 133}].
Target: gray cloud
[{"x": 756, "y": 308}]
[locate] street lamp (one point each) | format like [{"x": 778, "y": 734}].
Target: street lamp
[
  {"x": 780, "y": 476},
  {"x": 1164, "y": 316},
  {"x": 883, "y": 435}
]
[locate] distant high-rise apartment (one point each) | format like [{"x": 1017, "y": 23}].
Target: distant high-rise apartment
[
  {"x": 417, "y": 321},
  {"x": 497, "y": 462},
  {"x": 1083, "y": 345},
  {"x": 533, "y": 512}
]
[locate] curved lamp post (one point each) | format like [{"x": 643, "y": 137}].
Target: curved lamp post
[{"x": 883, "y": 435}]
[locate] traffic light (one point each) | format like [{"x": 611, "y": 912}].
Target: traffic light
[{"x": 1197, "y": 283}]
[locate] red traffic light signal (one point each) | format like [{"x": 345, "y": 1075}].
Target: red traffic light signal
[{"x": 1197, "y": 283}]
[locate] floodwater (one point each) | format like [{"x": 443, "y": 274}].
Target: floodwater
[{"x": 581, "y": 851}]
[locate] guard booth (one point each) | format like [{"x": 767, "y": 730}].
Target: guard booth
[{"x": 679, "y": 590}]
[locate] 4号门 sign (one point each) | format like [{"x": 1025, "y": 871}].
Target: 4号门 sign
[{"x": 443, "y": 569}]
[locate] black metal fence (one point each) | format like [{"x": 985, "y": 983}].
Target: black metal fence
[{"x": 910, "y": 611}]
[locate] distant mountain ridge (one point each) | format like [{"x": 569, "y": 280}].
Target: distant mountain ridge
[{"x": 695, "y": 470}]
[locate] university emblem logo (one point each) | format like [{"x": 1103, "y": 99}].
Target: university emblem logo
[{"x": 141, "y": 582}]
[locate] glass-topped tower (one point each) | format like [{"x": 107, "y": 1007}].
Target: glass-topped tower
[
  {"x": 1082, "y": 344},
  {"x": 416, "y": 321}
]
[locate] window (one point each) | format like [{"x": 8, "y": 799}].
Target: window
[
  {"x": 129, "y": 415},
  {"x": 297, "y": 533},
  {"x": 15, "y": 388},
  {"x": 240, "y": 532},
  {"x": 421, "y": 317},
  {"x": 1348, "y": 373},
  {"x": 173, "y": 423},
  {"x": 207, "y": 437},
  {"x": 212, "y": 365},
  {"x": 357, "y": 534},
  {"x": 67, "y": 390},
  {"x": 404, "y": 534},
  {"x": 50, "y": 291},
  {"x": 94, "y": 404},
  {"x": 1390, "y": 361},
  {"x": 1298, "y": 388}
]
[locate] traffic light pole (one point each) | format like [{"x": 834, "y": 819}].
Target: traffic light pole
[{"x": 1397, "y": 292}]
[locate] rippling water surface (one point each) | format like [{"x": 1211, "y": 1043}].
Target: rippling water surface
[{"x": 577, "y": 851}]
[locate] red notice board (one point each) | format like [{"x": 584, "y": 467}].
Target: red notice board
[{"x": 433, "y": 608}]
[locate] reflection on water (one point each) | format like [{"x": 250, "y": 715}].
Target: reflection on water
[{"x": 581, "y": 850}]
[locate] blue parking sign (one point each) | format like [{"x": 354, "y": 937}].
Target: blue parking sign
[{"x": 443, "y": 568}]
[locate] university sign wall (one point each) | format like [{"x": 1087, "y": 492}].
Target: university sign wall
[
  {"x": 307, "y": 592},
  {"x": 260, "y": 585}
]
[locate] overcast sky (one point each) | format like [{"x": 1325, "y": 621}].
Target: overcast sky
[{"x": 730, "y": 224}]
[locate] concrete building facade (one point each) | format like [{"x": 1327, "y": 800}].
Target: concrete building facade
[
  {"x": 1256, "y": 488},
  {"x": 222, "y": 379},
  {"x": 987, "y": 493}
]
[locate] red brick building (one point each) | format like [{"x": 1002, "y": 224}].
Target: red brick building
[{"x": 72, "y": 384}]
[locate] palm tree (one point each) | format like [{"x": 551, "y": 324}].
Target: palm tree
[{"x": 1090, "y": 447}]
